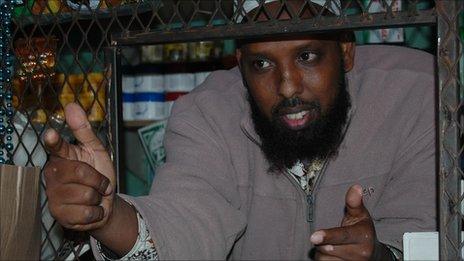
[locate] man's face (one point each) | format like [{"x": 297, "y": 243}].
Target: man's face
[
  {"x": 295, "y": 85},
  {"x": 308, "y": 69}
]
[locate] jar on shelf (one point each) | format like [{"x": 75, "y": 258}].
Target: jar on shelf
[
  {"x": 175, "y": 52},
  {"x": 201, "y": 51},
  {"x": 152, "y": 53},
  {"x": 36, "y": 56}
]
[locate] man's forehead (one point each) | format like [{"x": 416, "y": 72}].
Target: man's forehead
[{"x": 291, "y": 40}]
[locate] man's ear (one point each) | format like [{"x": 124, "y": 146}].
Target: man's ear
[
  {"x": 348, "y": 51},
  {"x": 238, "y": 56}
]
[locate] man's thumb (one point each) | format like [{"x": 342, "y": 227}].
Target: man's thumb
[
  {"x": 80, "y": 126},
  {"x": 353, "y": 201}
]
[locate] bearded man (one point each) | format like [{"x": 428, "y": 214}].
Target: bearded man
[{"x": 310, "y": 149}]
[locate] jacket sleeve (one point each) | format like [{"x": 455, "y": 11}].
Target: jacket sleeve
[
  {"x": 408, "y": 203},
  {"x": 193, "y": 210}
]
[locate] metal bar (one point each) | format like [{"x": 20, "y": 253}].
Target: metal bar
[
  {"x": 448, "y": 129},
  {"x": 250, "y": 30},
  {"x": 115, "y": 112}
]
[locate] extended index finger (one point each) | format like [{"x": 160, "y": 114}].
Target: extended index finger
[
  {"x": 81, "y": 128},
  {"x": 339, "y": 235}
]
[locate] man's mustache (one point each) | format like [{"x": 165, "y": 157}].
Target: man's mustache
[{"x": 288, "y": 104}]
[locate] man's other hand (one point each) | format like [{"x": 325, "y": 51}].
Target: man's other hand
[
  {"x": 80, "y": 179},
  {"x": 355, "y": 239}
]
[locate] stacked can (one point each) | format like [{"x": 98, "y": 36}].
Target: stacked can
[
  {"x": 143, "y": 97},
  {"x": 149, "y": 97},
  {"x": 176, "y": 85},
  {"x": 128, "y": 97}
]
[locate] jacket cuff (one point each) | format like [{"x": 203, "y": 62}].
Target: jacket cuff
[{"x": 143, "y": 249}]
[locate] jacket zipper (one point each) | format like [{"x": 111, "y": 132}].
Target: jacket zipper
[{"x": 310, "y": 195}]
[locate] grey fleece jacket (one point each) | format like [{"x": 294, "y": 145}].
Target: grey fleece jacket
[{"x": 214, "y": 199}]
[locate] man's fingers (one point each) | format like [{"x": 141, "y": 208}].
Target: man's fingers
[
  {"x": 72, "y": 215},
  {"x": 345, "y": 252},
  {"x": 353, "y": 240},
  {"x": 353, "y": 202},
  {"x": 87, "y": 175},
  {"x": 80, "y": 126},
  {"x": 69, "y": 171},
  {"x": 352, "y": 234},
  {"x": 57, "y": 146},
  {"x": 77, "y": 194},
  {"x": 324, "y": 257}
]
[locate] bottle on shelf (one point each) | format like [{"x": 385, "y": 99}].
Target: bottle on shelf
[{"x": 34, "y": 76}]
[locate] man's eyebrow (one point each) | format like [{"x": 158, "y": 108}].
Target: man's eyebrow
[
  {"x": 264, "y": 53},
  {"x": 256, "y": 55},
  {"x": 310, "y": 45}
]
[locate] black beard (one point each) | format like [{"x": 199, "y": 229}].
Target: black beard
[{"x": 283, "y": 147}]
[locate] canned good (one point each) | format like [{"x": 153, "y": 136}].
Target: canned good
[
  {"x": 149, "y": 83},
  {"x": 148, "y": 106},
  {"x": 128, "y": 84},
  {"x": 128, "y": 106},
  {"x": 179, "y": 82},
  {"x": 152, "y": 53},
  {"x": 201, "y": 51},
  {"x": 175, "y": 52}
]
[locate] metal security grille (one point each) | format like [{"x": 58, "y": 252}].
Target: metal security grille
[
  {"x": 70, "y": 50},
  {"x": 450, "y": 94},
  {"x": 175, "y": 21}
]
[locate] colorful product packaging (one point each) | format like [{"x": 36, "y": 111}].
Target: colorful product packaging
[
  {"x": 176, "y": 85},
  {"x": 128, "y": 83},
  {"x": 384, "y": 35},
  {"x": 149, "y": 97}
]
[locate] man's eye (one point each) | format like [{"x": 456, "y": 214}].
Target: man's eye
[
  {"x": 307, "y": 56},
  {"x": 261, "y": 64}
]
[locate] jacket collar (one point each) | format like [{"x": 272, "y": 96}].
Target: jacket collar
[{"x": 246, "y": 123}]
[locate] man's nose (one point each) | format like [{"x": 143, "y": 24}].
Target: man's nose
[{"x": 290, "y": 83}]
